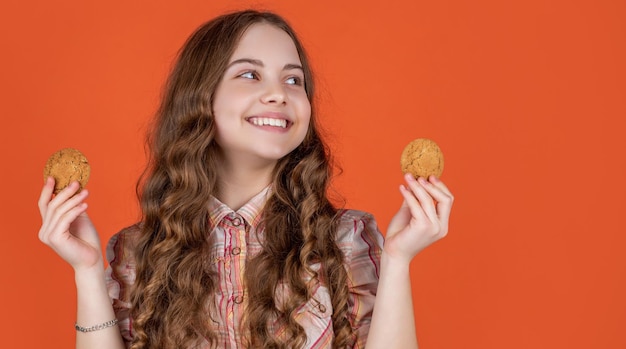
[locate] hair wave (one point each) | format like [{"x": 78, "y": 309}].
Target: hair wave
[{"x": 171, "y": 299}]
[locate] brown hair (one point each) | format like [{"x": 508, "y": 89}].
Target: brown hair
[{"x": 171, "y": 298}]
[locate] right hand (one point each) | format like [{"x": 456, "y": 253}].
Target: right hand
[
  {"x": 66, "y": 228},
  {"x": 422, "y": 218}
]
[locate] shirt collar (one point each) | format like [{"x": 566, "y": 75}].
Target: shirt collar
[{"x": 251, "y": 211}]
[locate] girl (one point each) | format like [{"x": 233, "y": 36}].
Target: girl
[{"x": 238, "y": 245}]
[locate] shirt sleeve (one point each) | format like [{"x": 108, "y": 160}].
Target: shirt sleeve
[
  {"x": 120, "y": 276},
  {"x": 362, "y": 244}
]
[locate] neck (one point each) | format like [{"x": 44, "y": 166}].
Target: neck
[{"x": 240, "y": 182}]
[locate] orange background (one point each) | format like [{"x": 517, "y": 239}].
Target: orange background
[{"x": 526, "y": 99}]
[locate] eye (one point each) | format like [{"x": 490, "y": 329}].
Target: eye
[
  {"x": 249, "y": 75},
  {"x": 294, "y": 80}
]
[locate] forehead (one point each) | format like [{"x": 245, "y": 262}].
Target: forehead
[{"x": 264, "y": 40}]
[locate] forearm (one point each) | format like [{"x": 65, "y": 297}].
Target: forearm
[
  {"x": 393, "y": 323},
  {"x": 94, "y": 307}
]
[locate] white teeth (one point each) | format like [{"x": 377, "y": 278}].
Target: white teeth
[{"x": 271, "y": 122}]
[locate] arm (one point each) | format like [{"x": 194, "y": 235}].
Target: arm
[
  {"x": 67, "y": 229},
  {"x": 94, "y": 307},
  {"x": 421, "y": 220}
]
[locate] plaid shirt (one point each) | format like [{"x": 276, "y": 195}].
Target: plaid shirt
[{"x": 233, "y": 239}]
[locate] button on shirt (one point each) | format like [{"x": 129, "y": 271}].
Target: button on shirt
[{"x": 233, "y": 240}]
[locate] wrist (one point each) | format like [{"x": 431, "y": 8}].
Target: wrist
[
  {"x": 89, "y": 275},
  {"x": 392, "y": 262}
]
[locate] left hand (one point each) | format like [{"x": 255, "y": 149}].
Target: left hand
[{"x": 422, "y": 218}]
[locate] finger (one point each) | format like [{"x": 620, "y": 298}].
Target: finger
[
  {"x": 45, "y": 196},
  {"x": 75, "y": 200},
  {"x": 425, "y": 200},
  {"x": 59, "y": 222},
  {"x": 53, "y": 223},
  {"x": 64, "y": 195},
  {"x": 69, "y": 191},
  {"x": 51, "y": 207},
  {"x": 442, "y": 195},
  {"x": 65, "y": 220},
  {"x": 439, "y": 184},
  {"x": 84, "y": 231},
  {"x": 413, "y": 204},
  {"x": 70, "y": 203}
]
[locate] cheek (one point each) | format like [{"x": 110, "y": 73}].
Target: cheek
[
  {"x": 224, "y": 107},
  {"x": 308, "y": 114},
  {"x": 220, "y": 100},
  {"x": 305, "y": 119},
  {"x": 304, "y": 109},
  {"x": 220, "y": 113},
  {"x": 224, "y": 98}
]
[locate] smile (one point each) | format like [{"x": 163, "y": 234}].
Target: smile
[{"x": 282, "y": 123}]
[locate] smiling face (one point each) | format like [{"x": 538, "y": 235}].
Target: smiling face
[{"x": 261, "y": 108}]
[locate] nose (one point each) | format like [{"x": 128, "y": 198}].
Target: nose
[{"x": 274, "y": 93}]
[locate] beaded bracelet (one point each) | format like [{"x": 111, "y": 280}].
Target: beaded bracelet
[{"x": 96, "y": 327}]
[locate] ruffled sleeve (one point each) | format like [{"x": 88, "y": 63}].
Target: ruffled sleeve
[
  {"x": 361, "y": 241},
  {"x": 120, "y": 276}
]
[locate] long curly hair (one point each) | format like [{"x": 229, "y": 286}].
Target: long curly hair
[{"x": 171, "y": 299}]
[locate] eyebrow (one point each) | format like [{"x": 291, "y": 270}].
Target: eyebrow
[{"x": 288, "y": 66}]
